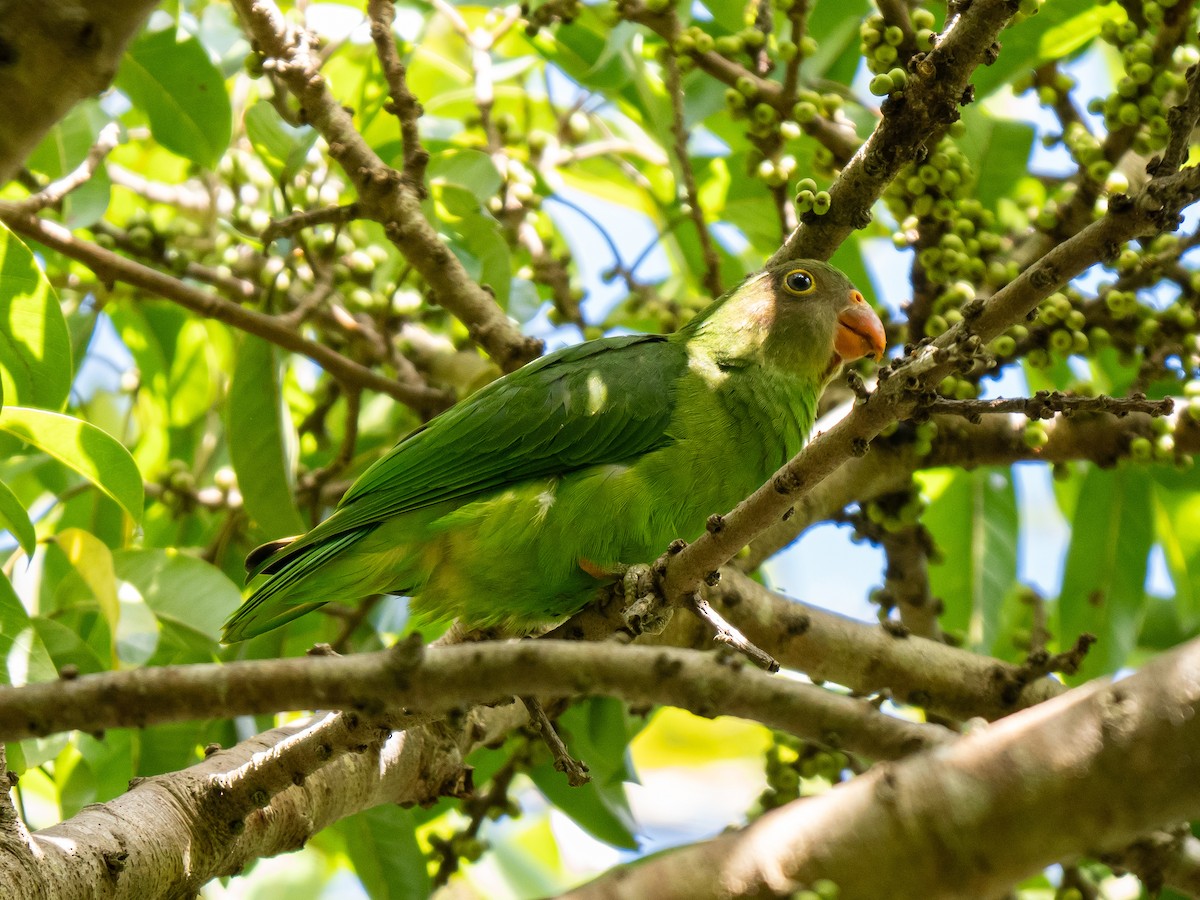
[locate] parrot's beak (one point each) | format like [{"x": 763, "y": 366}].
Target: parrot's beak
[{"x": 859, "y": 331}]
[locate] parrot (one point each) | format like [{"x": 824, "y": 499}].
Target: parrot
[{"x": 515, "y": 506}]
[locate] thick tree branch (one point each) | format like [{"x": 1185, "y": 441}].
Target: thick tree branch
[
  {"x": 52, "y": 55},
  {"x": 447, "y": 678},
  {"x": 1085, "y": 772},
  {"x": 384, "y": 194},
  {"x": 172, "y": 833}
]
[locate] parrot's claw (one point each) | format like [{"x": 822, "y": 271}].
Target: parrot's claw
[{"x": 645, "y": 611}]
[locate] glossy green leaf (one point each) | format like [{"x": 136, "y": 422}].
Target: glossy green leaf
[
  {"x": 382, "y": 845},
  {"x": 143, "y": 329},
  {"x": 973, "y": 519},
  {"x": 1103, "y": 590},
  {"x": 190, "y": 383},
  {"x": 260, "y": 443},
  {"x": 67, "y": 648},
  {"x": 35, "y": 347},
  {"x": 15, "y": 518},
  {"x": 82, "y": 447},
  {"x": 173, "y": 81},
  {"x": 591, "y": 53},
  {"x": 599, "y": 730},
  {"x": 1177, "y": 529}
]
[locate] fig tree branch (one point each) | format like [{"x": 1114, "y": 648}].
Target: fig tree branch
[
  {"x": 1084, "y": 773},
  {"x": 384, "y": 194},
  {"x": 447, "y": 678}
]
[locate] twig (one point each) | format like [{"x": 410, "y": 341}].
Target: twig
[
  {"x": 712, "y": 264},
  {"x": 906, "y": 580},
  {"x": 1045, "y": 404},
  {"x": 403, "y": 105},
  {"x": 55, "y": 192},
  {"x": 724, "y": 633},
  {"x": 189, "y": 197},
  {"x": 575, "y": 770},
  {"x": 798, "y": 17},
  {"x": 479, "y": 808},
  {"x": 838, "y": 138},
  {"x": 330, "y": 215}
]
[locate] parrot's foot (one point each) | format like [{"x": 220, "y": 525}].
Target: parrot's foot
[{"x": 645, "y": 611}]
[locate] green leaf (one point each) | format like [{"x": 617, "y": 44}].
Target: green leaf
[
  {"x": 973, "y": 519},
  {"x": 282, "y": 147},
  {"x": 85, "y": 448},
  {"x": 190, "y": 383},
  {"x": 35, "y": 347},
  {"x": 94, "y": 562},
  {"x": 259, "y": 441},
  {"x": 66, "y": 648},
  {"x": 24, "y": 656},
  {"x": 999, "y": 153},
  {"x": 15, "y": 518},
  {"x": 382, "y": 845},
  {"x": 592, "y": 53},
  {"x": 181, "y": 92},
  {"x": 597, "y": 732},
  {"x": 601, "y": 811},
  {"x": 470, "y": 169},
  {"x": 144, "y": 329},
  {"x": 1103, "y": 589},
  {"x": 1059, "y": 29},
  {"x": 1177, "y": 527},
  {"x": 181, "y": 590}
]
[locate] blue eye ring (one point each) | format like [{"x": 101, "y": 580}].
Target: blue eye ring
[{"x": 799, "y": 282}]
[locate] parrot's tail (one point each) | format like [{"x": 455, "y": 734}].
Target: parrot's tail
[
  {"x": 290, "y": 583},
  {"x": 256, "y": 558}
]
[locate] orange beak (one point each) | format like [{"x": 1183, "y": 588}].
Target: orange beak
[{"x": 859, "y": 331}]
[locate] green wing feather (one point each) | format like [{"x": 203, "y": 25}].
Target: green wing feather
[{"x": 605, "y": 401}]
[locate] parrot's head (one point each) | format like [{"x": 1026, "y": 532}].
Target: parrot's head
[{"x": 801, "y": 315}]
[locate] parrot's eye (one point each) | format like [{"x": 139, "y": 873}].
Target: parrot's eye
[{"x": 798, "y": 281}]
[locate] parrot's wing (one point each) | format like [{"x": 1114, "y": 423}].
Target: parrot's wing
[{"x": 604, "y": 401}]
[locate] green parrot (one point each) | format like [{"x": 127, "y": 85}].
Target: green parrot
[{"x": 516, "y": 505}]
